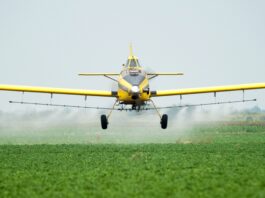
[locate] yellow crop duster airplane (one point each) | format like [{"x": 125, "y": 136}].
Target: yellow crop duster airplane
[{"x": 133, "y": 89}]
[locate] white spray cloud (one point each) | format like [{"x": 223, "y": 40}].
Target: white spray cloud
[{"x": 56, "y": 126}]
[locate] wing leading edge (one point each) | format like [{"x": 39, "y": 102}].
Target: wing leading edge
[
  {"x": 81, "y": 92},
  {"x": 99, "y": 74},
  {"x": 149, "y": 73},
  {"x": 165, "y": 74},
  {"x": 208, "y": 89}
]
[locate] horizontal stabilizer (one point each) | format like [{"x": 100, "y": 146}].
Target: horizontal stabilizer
[
  {"x": 99, "y": 74},
  {"x": 165, "y": 74}
]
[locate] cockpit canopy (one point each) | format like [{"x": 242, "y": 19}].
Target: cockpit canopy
[{"x": 132, "y": 62}]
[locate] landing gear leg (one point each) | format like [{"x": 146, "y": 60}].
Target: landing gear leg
[
  {"x": 163, "y": 118},
  {"x": 104, "y": 119}
]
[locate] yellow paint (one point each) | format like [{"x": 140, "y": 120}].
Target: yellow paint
[
  {"x": 99, "y": 74},
  {"x": 124, "y": 83},
  {"x": 143, "y": 84},
  {"x": 145, "y": 96},
  {"x": 211, "y": 89},
  {"x": 131, "y": 56},
  {"x": 166, "y": 74},
  {"x": 126, "y": 95},
  {"x": 56, "y": 90}
]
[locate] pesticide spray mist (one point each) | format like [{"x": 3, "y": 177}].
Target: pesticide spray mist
[{"x": 68, "y": 126}]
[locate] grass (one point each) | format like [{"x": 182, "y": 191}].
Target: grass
[{"x": 224, "y": 160}]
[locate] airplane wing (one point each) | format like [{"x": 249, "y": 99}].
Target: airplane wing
[
  {"x": 81, "y": 92},
  {"x": 164, "y": 74},
  {"x": 208, "y": 89},
  {"x": 116, "y": 74},
  {"x": 99, "y": 74}
]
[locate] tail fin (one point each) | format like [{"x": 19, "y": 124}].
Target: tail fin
[{"x": 131, "y": 50}]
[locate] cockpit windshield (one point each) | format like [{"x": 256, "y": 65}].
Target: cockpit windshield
[{"x": 132, "y": 63}]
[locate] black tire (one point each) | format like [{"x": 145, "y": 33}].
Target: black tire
[
  {"x": 164, "y": 121},
  {"x": 104, "y": 121}
]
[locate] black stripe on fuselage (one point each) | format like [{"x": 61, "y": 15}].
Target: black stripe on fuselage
[
  {"x": 153, "y": 93},
  {"x": 114, "y": 93}
]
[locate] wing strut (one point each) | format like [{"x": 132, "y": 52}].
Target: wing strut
[{"x": 107, "y": 75}]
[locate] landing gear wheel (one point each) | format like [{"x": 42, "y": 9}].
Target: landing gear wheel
[
  {"x": 104, "y": 122},
  {"x": 163, "y": 121}
]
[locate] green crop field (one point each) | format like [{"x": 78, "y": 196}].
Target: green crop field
[{"x": 216, "y": 160}]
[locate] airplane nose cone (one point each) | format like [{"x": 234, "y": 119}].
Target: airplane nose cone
[{"x": 135, "y": 89}]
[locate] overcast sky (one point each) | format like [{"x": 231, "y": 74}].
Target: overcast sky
[{"x": 47, "y": 43}]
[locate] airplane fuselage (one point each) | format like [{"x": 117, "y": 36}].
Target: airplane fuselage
[{"x": 133, "y": 86}]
